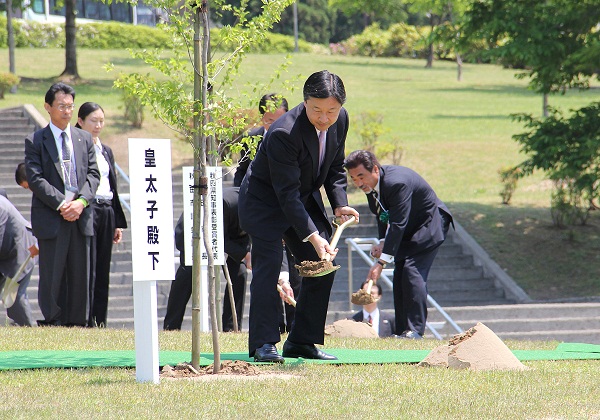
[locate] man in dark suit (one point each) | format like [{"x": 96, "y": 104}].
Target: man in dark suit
[
  {"x": 382, "y": 323},
  {"x": 412, "y": 223},
  {"x": 16, "y": 244},
  {"x": 280, "y": 197},
  {"x": 63, "y": 175},
  {"x": 237, "y": 245}
]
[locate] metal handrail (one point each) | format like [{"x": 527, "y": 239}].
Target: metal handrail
[
  {"x": 124, "y": 198},
  {"x": 360, "y": 245}
]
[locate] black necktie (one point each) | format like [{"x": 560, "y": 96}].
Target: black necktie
[
  {"x": 376, "y": 202},
  {"x": 70, "y": 175}
]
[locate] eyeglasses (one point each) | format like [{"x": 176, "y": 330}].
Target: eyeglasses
[{"x": 63, "y": 108}]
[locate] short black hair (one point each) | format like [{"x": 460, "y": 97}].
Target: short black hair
[
  {"x": 379, "y": 290},
  {"x": 324, "y": 84},
  {"x": 21, "y": 173},
  {"x": 361, "y": 157},
  {"x": 58, "y": 87},
  {"x": 86, "y": 109},
  {"x": 277, "y": 100}
]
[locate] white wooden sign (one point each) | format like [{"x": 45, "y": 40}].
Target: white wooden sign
[
  {"x": 215, "y": 204},
  {"x": 151, "y": 198}
]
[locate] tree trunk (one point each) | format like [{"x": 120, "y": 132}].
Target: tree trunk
[
  {"x": 70, "y": 41},
  {"x": 11, "y": 42},
  {"x": 545, "y": 105},
  {"x": 459, "y": 64}
]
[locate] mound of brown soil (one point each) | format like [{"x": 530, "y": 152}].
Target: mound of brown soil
[
  {"x": 479, "y": 348},
  {"x": 350, "y": 328}
]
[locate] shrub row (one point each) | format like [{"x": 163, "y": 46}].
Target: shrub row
[{"x": 114, "y": 35}]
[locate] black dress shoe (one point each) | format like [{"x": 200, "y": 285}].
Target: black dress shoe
[
  {"x": 306, "y": 351},
  {"x": 410, "y": 335},
  {"x": 267, "y": 353}
]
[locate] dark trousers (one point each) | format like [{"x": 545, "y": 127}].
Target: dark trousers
[
  {"x": 181, "y": 291},
  {"x": 410, "y": 287},
  {"x": 179, "y": 295},
  {"x": 63, "y": 291},
  {"x": 100, "y": 256},
  {"x": 312, "y": 302},
  {"x": 237, "y": 271}
]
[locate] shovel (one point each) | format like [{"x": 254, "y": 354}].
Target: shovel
[
  {"x": 11, "y": 286},
  {"x": 363, "y": 297},
  {"x": 323, "y": 267},
  {"x": 290, "y": 299}
]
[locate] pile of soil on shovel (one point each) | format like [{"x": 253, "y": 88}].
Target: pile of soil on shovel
[
  {"x": 312, "y": 268},
  {"x": 362, "y": 297}
]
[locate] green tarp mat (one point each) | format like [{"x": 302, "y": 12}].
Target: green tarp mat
[{"x": 36, "y": 359}]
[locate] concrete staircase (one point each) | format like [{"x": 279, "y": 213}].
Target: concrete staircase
[{"x": 464, "y": 281}]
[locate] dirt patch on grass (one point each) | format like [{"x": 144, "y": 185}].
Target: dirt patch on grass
[{"x": 230, "y": 369}]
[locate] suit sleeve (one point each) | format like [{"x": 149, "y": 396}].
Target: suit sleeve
[
  {"x": 38, "y": 184},
  {"x": 284, "y": 153},
  {"x": 92, "y": 180},
  {"x": 337, "y": 180},
  {"x": 399, "y": 199}
]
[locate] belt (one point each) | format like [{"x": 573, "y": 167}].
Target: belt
[{"x": 102, "y": 202}]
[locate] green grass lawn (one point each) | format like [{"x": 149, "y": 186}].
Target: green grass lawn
[
  {"x": 456, "y": 134},
  {"x": 563, "y": 389}
]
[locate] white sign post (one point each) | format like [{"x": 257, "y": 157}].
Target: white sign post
[
  {"x": 215, "y": 204},
  {"x": 152, "y": 245}
]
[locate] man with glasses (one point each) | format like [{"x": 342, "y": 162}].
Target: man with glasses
[{"x": 63, "y": 175}]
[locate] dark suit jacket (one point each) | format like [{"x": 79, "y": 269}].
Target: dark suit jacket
[
  {"x": 120, "y": 220},
  {"x": 15, "y": 240},
  {"x": 281, "y": 187},
  {"x": 237, "y": 242},
  {"x": 45, "y": 178},
  {"x": 387, "y": 324},
  {"x": 245, "y": 162},
  {"x": 415, "y": 222}
]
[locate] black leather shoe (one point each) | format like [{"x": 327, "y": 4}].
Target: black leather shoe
[
  {"x": 267, "y": 353},
  {"x": 410, "y": 335},
  {"x": 307, "y": 351}
]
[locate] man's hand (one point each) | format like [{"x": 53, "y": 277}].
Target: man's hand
[
  {"x": 72, "y": 210},
  {"x": 374, "y": 272},
  {"x": 376, "y": 249},
  {"x": 322, "y": 246},
  {"x": 34, "y": 251},
  {"x": 344, "y": 213},
  {"x": 286, "y": 292},
  {"x": 118, "y": 235}
]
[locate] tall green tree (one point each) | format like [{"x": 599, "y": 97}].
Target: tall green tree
[
  {"x": 549, "y": 38},
  {"x": 385, "y": 12}
]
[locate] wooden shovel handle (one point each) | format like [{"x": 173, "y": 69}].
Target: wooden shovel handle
[
  {"x": 337, "y": 234},
  {"x": 288, "y": 297}
]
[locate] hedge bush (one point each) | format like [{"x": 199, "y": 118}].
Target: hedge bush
[{"x": 114, "y": 35}]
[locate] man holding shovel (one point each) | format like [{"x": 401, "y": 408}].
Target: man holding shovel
[
  {"x": 412, "y": 223},
  {"x": 280, "y": 198},
  {"x": 17, "y": 243}
]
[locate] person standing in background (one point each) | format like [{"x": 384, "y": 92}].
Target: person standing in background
[
  {"x": 383, "y": 324},
  {"x": 62, "y": 173},
  {"x": 109, "y": 219},
  {"x": 271, "y": 107}
]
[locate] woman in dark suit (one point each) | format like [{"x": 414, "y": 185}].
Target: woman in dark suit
[{"x": 109, "y": 219}]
